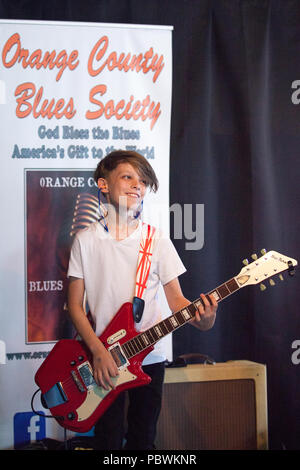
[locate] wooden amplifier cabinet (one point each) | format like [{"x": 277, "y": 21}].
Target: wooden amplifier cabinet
[{"x": 214, "y": 407}]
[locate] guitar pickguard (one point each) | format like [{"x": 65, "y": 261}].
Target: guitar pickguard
[{"x": 96, "y": 394}]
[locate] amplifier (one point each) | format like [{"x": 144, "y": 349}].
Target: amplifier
[{"x": 214, "y": 407}]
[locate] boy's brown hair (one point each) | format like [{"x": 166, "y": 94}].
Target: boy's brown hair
[{"x": 139, "y": 163}]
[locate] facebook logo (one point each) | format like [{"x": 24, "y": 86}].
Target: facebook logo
[{"x": 28, "y": 427}]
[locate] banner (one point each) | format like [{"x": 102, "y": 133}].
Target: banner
[{"x": 69, "y": 94}]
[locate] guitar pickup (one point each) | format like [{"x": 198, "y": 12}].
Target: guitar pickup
[
  {"x": 86, "y": 374},
  {"x": 54, "y": 396},
  {"x": 118, "y": 356}
]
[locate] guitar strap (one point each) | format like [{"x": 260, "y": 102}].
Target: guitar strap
[
  {"x": 143, "y": 269},
  {"x": 142, "y": 273}
]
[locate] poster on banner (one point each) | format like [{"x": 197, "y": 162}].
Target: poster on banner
[{"x": 70, "y": 93}]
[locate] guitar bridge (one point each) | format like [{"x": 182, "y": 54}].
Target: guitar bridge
[{"x": 77, "y": 381}]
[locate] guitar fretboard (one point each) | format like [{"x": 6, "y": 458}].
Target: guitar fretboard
[{"x": 149, "y": 337}]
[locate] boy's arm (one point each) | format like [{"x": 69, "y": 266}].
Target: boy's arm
[
  {"x": 103, "y": 363},
  {"x": 204, "y": 316}
]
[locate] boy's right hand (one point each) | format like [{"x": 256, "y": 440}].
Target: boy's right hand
[{"x": 104, "y": 368}]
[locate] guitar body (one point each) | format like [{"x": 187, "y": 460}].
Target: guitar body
[{"x": 66, "y": 382}]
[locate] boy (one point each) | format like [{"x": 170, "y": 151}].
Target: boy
[{"x": 103, "y": 264}]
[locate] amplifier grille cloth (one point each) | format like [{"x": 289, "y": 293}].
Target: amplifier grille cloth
[{"x": 213, "y": 415}]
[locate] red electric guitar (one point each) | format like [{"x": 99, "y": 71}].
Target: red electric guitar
[{"x": 66, "y": 379}]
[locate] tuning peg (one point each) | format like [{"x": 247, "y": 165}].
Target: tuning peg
[
  {"x": 272, "y": 282},
  {"x": 263, "y": 251},
  {"x": 262, "y": 287},
  {"x": 245, "y": 262},
  {"x": 281, "y": 277},
  {"x": 291, "y": 269},
  {"x": 254, "y": 256}
]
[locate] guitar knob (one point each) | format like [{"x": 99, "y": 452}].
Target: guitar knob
[
  {"x": 262, "y": 287},
  {"x": 71, "y": 416}
]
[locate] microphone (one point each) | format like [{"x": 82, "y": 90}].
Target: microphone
[{"x": 86, "y": 211}]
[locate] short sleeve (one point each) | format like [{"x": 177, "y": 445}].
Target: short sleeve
[
  {"x": 169, "y": 264},
  {"x": 75, "y": 268}
]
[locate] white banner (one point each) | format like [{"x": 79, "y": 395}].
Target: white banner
[{"x": 69, "y": 94}]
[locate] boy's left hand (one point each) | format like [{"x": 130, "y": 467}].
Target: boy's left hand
[{"x": 205, "y": 315}]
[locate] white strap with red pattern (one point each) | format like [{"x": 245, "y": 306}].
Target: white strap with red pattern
[{"x": 144, "y": 260}]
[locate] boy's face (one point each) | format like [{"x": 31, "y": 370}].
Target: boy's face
[{"x": 123, "y": 187}]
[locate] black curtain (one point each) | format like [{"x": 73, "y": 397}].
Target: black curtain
[{"x": 235, "y": 136}]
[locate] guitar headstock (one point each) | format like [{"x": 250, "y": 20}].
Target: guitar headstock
[{"x": 265, "y": 267}]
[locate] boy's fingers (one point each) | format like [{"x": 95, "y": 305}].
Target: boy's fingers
[
  {"x": 213, "y": 300},
  {"x": 204, "y": 303}
]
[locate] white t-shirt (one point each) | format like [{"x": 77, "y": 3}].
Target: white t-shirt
[{"x": 108, "y": 268}]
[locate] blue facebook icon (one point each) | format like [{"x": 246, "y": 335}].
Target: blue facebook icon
[{"x": 28, "y": 427}]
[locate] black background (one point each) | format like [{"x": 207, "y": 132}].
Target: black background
[{"x": 235, "y": 138}]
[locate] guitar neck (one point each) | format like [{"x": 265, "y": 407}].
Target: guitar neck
[{"x": 149, "y": 337}]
